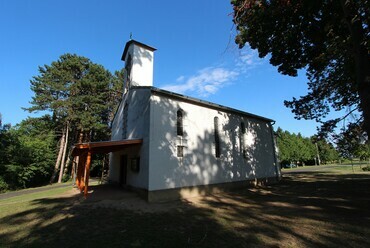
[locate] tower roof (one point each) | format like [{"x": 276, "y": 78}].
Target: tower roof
[{"x": 138, "y": 44}]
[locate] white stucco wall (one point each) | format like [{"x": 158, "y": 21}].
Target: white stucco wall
[
  {"x": 117, "y": 121},
  {"x": 152, "y": 117},
  {"x": 142, "y": 65},
  {"x": 137, "y": 128},
  {"x": 199, "y": 166}
]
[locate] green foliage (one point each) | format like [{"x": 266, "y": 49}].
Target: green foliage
[
  {"x": 363, "y": 151},
  {"x": 81, "y": 95},
  {"x": 293, "y": 148},
  {"x": 76, "y": 91},
  {"x": 330, "y": 39},
  {"x": 79, "y": 92},
  {"x": 352, "y": 143},
  {"x": 66, "y": 178},
  {"x": 28, "y": 153},
  {"x": 3, "y": 185},
  {"x": 116, "y": 92},
  {"x": 327, "y": 152}
]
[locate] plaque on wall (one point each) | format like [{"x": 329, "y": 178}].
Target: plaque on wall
[{"x": 135, "y": 164}]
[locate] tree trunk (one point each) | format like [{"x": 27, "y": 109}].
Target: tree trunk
[
  {"x": 80, "y": 137},
  {"x": 74, "y": 168},
  {"x": 60, "y": 153},
  {"x": 318, "y": 154},
  {"x": 66, "y": 165},
  {"x": 64, "y": 154},
  {"x": 105, "y": 162}
]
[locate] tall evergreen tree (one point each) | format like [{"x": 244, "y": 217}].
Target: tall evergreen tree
[{"x": 80, "y": 95}]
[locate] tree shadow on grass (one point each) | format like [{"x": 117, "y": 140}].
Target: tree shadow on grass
[
  {"x": 71, "y": 222},
  {"x": 304, "y": 210}
]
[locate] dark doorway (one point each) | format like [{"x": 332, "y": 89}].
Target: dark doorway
[{"x": 123, "y": 171}]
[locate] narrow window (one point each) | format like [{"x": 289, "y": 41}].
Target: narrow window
[
  {"x": 242, "y": 129},
  {"x": 124, "y": 125},
  {"x": 217, "y": 138},
  {"x": 127, "y": 74},
  {"x": 180, "y": 127},
  {"x": 128, "y": 66},
  {"x": 180, "y": 151},
  {"x": 180, "y": 133}
]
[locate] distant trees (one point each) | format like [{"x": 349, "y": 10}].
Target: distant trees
[
  {"x": 81, "y": 97},
  {"x": 363, "y": 152},
  {"x": 352, "y": 143},
  {"x": 327, "y": 152},
  {"x": 296, "y": 149},
  {"x": 27, "y": 152}
]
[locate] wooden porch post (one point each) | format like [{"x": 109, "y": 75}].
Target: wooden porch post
[
  {"x": 87, "y": 172},
  {"x": 80, "y": 171}
]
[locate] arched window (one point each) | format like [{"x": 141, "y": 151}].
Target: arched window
[
  {"x": 242, "y": 138},
  {"x": 180, "y": 132},
  {"x": 217, "y": 138},
  {"x": 242, "y": 127},
  {"x": 180, "y": 126}
]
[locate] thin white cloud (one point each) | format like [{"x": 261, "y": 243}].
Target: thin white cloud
[
  {"x": 207, "y": 81},
  {"x": 211, "y": 79},
  {"x": 247, "y": 60},
  {"x": 180, "y": 79}
]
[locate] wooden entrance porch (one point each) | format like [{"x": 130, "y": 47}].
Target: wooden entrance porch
[{"x": 82, "y": 155}]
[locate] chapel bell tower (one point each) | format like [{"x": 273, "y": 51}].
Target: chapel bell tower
[{"x": 138, "y": 59}]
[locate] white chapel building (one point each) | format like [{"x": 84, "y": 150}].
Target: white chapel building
[{"x": 183, "y": 146}]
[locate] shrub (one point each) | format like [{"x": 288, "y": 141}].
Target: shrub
[{"x": 3, "y": 185}]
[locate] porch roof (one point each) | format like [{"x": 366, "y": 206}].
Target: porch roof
[
  {"x": 84, "y": 152},
  {"x": 104, "y": 146}
]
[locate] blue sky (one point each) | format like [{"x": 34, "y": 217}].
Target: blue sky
[{"x": 196, "y": 53}]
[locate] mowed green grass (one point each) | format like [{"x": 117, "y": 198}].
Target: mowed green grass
[
  {"x": 327, "y": 208},
  {"x": 333, "y": 168}
]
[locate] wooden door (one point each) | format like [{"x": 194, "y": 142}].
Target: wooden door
[{"x": 123, "y": 171}]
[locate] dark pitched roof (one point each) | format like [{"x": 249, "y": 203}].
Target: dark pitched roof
[
  {"x": 202, "y": 102},
  {"x": 138, "y": 44}
]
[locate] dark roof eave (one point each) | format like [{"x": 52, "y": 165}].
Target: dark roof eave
[
  {"x": 138, "y": 44},
  {"x": 204, "y": 103}
]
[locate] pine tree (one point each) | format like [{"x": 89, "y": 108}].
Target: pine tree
[{"x": 81, "y": 96}]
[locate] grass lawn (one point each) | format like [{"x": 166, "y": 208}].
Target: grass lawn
[
  {"x": 332, "y": 168},
  {"x": 327, "y": 208}
]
